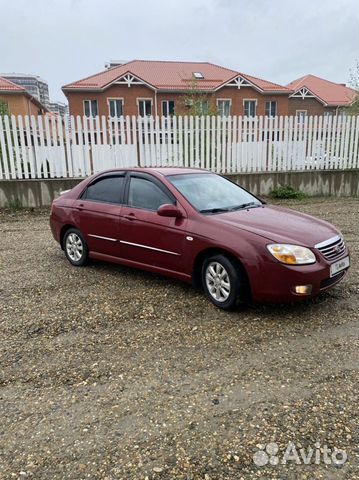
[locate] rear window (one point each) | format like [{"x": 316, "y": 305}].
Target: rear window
[{"x": 108, "y": 190}]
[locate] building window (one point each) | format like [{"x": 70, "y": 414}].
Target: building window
[
  {"x": 168, "y": 107},
  {"x": 250, "y": 108},
  {"x": 90, "y": 108},
  {"x": 144, "y": 107},
  {"x": 301, "y": 114},
  {"x": 224, "y": 107},
  {"x": 203, "y": 107},
  {"x": 115, "y": 107},
  {"x": 271, "y": 109}
]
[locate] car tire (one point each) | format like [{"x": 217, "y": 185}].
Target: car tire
[
  {"x": 224, "y": 282},
  {"x": 75, "y": 247}
]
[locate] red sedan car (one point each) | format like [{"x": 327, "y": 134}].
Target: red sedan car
[{"x": 202, "y": 228}]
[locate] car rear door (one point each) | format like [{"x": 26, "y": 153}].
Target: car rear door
[
  {"x": 98, "y": 211},
  {"x": 146, "y": 237}
]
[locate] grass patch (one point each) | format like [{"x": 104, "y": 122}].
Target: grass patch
[
  {"x": 14, "y": 204},
  {"x": 286, "y": 191}
]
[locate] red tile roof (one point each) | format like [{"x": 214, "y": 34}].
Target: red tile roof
[
  {"x": 164, "y": 75},
  {"x": 329, "y": 93},
  {"x": 7, "y": 86}
]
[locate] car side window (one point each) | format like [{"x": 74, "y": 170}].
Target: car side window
[
  {"x": 108, "y": 190},
  {"x": 147, "y": 195}
]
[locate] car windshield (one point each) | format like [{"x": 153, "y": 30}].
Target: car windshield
[{"x": 210, "y": 193}]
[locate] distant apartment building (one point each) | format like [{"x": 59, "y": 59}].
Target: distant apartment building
[
  {"x": 33, "y": 84},
  {"x": 59, "y": 108}
]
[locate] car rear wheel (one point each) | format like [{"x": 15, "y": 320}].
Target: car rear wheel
[
  {"x": 75, "y": 247},
  {"x": 223, "y": 281}
]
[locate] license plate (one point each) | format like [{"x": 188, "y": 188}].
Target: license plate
[{"x": 339, "y": 266}]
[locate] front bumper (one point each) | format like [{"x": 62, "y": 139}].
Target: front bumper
[{"x": 274, "y": 282}]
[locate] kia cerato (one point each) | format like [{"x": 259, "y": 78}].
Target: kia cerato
[{"x": 199, "y": 227}]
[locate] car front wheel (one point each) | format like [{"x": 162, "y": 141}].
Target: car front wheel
[
  {"x": 223, "y": 281},
  {"x": 75, "y": 247}
]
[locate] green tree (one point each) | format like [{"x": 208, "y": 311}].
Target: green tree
[
  {"x": 354, "y": 84},
  {"x": 4, "y": 109},
  {"x": 197, "y": 103}
]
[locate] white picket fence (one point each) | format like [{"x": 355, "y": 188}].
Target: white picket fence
[{"x": 52, "y": 147}]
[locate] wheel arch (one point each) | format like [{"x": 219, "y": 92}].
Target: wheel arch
[
  {"x": 63, "y": 230},
  {"x": 208, "y": 252}
]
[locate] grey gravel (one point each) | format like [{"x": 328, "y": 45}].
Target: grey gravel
[{"x": 111, "y": 373}]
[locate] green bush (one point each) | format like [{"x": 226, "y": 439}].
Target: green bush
[
  {"x": 286, "y": 192},
  {"x": 14, "y": 204}
]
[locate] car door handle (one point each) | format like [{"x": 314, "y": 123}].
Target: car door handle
[
  {"x": 130, "y": 216},
  {"x": 80, "y": 206}
]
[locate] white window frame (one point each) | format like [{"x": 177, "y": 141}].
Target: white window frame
[
  {"x": 144, "y": 99},
  {"x": 108, "y": 105},
  {"x": 90, "y": 109},
  {"x": 300, "y": 115},
  {"x": 255, "y": 106},
  {"x": 276, "y": 108},
  {"x": 166, "y": 101},
  {"x": 198, "y": 75},
  {"x": 224, "y": 100},
  {"x": 203, "y": 103}
]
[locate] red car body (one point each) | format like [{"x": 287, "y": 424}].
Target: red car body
[{"x": 175, "y": 246}]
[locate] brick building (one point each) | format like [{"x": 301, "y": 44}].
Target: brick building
[
  {"x": 159, "y": 88},
  {"x": 18, "y": 101},
  {"x": 316, "y": 96}
]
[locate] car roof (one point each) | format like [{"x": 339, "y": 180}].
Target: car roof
[
  {"x": 165, "y": 171},
  {"x": 177, "y": 170}
]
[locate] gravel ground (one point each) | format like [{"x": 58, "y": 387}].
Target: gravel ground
[{"x": 111, "y": 373}]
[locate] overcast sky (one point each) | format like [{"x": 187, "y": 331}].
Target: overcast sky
[{"x": 279, "y": 40}]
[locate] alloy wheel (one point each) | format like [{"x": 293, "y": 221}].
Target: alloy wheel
[
  {"x": 74, "y": 247},
  {"x": 217, "y": 281}
]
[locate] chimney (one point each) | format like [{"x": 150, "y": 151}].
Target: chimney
[{"x": 114, "y": 63}]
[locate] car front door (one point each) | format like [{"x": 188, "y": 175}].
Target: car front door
[
  {"x": 146, "y": 237},
  {"x": 97, "y": 213}
]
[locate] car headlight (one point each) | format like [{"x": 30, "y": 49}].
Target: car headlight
[{"x": 292, "y": 254}]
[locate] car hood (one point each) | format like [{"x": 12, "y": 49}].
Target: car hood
[{"x": 279, "y": 225}]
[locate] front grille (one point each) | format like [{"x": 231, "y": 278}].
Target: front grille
[{"x": 332, "y": 248}]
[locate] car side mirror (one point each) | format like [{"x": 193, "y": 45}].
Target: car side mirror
[{"x": 169, "y": 210}]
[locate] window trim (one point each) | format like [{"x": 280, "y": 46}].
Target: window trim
[
  {"x": 202, "y": 102},
  {"x": 83, "y": 106},
  {"x": 276, "y": 108},
  {"x": 150, "y": 178},
  {"x": 102, "y": 177},
  {"x": 141, "y": 99},
  {"x": 224, "y": 100},
  {"x": 167, "y": 101},
  {"x": 255, "y": 100},
  {"x": 114, "y": 98},
  {"x": 301, "y": 118}
]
